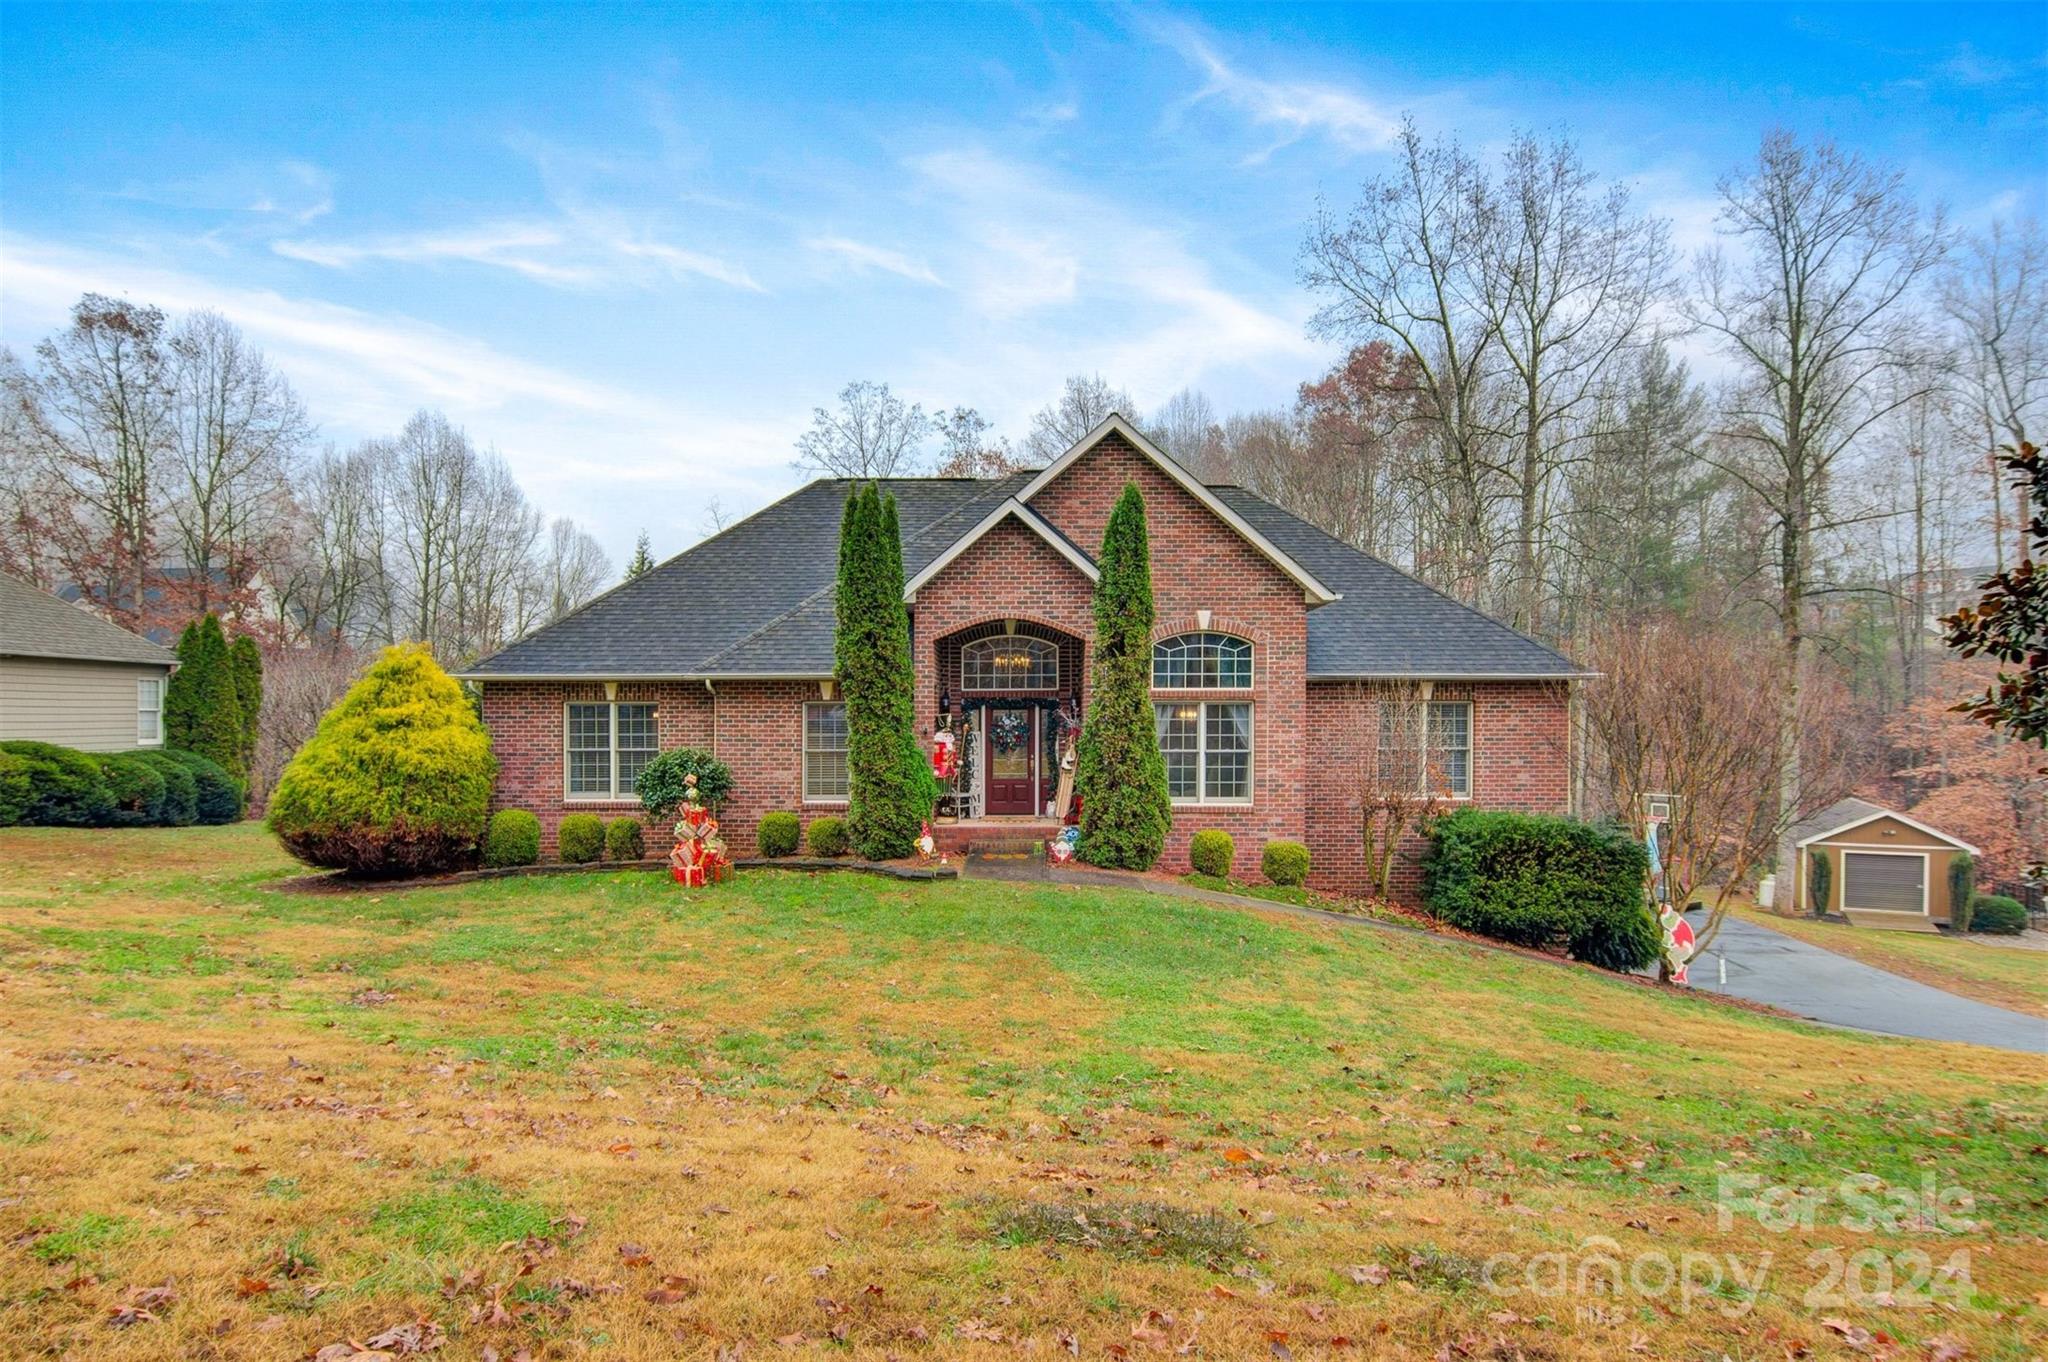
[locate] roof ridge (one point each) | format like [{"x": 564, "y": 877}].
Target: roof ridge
[{"x": 762, "y": 628}]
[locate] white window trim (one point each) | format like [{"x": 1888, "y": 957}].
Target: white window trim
[
  {"x": 1251, "y": 681},
  {"x": 1926, "y": 879},
  {"x": 1471, "y": 750},
  {"x": 142, "y": 739},
  {"x": 803, "y": 775},
  {"x": 612, "y": 737},
  {"x": 1251, "y": 777}
]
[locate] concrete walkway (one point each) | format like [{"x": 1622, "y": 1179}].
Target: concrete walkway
[
  {"x": 1762, "y": 966},
  {"x": 1767, "y": 966}
]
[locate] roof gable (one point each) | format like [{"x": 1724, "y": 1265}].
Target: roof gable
[
  {"x": 1851, "y": 814},
  {"x": 1312, "y": 588},
  {"x": 34, "y": 623},
  {"x": 1009, "y": 508}
]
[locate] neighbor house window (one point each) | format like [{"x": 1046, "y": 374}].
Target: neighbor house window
[
  {"x": 825, "y": 753},
  {"x": 1208, "y": 751},
  {"x": 1427, "y": 747},
  {"x": 609, "y": 744},
  {"x": 1202, "y": 662},
  {"x": 149, "y": 711},
  {"x": 1009, "y": 663}
]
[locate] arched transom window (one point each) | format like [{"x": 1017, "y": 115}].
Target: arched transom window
[
  {"x": 1202, "y": 662},
  {"x": 1009, "y": 662}
]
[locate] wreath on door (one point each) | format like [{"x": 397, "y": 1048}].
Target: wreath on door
[{"x": 1010, "y": 731}]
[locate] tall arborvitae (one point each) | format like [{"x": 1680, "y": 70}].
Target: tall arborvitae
[
  {"x": 1118, "y": 772},
  {"x": 181, "y": 693},
  {"x": 246, "y": 660},
  {"x": 207, "y": 714},
  {"x": 891, "y": 789}
]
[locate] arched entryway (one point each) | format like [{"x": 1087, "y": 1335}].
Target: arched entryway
[{"x": 1010, "y": 689}]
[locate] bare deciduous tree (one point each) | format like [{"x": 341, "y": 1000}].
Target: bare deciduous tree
[
  {"x": 1186, "y": 427},
  {"x": 872, "y": 434},
  {"x": 968, "y": 449},
  {"x": 1084, "y": 400},
  {"x": 1997, "y": 298}
]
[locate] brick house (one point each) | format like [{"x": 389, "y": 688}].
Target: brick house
[{"x": 1287, "y": 666}]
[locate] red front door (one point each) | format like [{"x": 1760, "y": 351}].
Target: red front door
[{"x": 1012, "y": 747}]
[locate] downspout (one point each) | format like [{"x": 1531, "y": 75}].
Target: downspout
[
  {"x": 712, "y": 691},
  {"x": 1575, "y": 747}
]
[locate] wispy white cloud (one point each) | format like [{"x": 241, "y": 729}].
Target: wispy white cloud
[
  {"x": 864, "y": 257},
  {"x": 285, "y": 191},
  {"x": 1297, "y": 108}
]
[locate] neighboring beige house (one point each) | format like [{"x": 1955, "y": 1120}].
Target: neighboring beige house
[
  {"x": 69, "y": 677},
  {"x": 1886, "y": 870}
]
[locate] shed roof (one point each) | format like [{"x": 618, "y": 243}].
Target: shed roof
[{"x": 1846, "y": 814}]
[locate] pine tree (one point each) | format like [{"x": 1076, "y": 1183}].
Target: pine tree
[
  {"x": 181, "y": 693},
  {"x": 1118, "y": 772},
  {"x": 643, "y": 557},
  {"x": 891, "y": 790},
  {"x": 247, "y": 664}
]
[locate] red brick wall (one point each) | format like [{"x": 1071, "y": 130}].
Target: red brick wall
[{"x": 1520, "y": 760}]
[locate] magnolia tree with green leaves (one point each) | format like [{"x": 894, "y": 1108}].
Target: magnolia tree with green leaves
[
  {"x": 1119, "y": 774},
  {"x": 890, "y": 787}
]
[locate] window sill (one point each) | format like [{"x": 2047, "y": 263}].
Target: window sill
[
  {"x": 1214, "y": 804},
  {"x": 826, "y": 803},
  {"x": 603, "y": 801}
]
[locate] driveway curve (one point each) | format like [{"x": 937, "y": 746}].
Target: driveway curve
[{"x": 1770, "y": 967}]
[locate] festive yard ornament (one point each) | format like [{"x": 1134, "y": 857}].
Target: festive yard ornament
[
  {"x": 1678, "y": 934},
  {"x": 927, "y": 845},
  {"x": 945, "y": 753},
  {"x": 699, "y": 856},
  {"x": 1678, "y": 941}
]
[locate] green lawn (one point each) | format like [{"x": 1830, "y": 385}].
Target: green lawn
[{"x": 597, "y": 1115}]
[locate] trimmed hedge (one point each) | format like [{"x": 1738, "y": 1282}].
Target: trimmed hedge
[
  {"x": 827, "y": 836},
  {"x": 181, "y": 788},
  {"x": 218, "y": 794},
  {"x": 778, "y": 834},
  {"x": 1284, "y": 862},
  {"x": 624, "y": 840},
  {"x": 580, "y": 838},
  {"x": 137, "y": 789},
  {"x": 66, "y": 789},
  {"x": 15, "y": 790},
  {"x": 513, "y": 838},
  {"x": 44, "y": 785},
  {"x": 1543, "y": 881},
  {"x": 1212, "y": 852},
  {"x": 1998, "y": 915},
  {"x": 661, "y": 787}
]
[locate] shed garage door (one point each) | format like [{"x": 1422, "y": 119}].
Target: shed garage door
[{"x": 1885, "y": 880}]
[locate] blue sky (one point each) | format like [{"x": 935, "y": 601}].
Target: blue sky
[{"x": 631, "y": 247}]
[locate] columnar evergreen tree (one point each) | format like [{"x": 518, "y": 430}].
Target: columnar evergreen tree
[
  {"x": 1119, "y": 774},
  {"x": 181, "y": 692},
  {"x": 890, "y": 787},
  {"x": 643, "y": 556},
  {"x": 246, "y": 661},
  {"x": 202, "y": 709}
]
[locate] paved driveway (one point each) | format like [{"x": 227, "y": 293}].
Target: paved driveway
[{"x": 1771, "y": 967}]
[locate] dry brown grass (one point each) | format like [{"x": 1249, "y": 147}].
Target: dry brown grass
[{"x": 589, "y": 1118}]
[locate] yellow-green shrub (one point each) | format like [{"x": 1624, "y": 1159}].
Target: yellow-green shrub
[
  {"x": 580, "y": 837},
  {"x": 396, "y": 780},
  {"x": 624, "y": 840}
]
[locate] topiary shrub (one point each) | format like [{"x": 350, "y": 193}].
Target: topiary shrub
[
  {"x": 181, "y": 789},
  {"x": 1284, "y": 863},
  {"x": 1543, "y": 881},
  {"x": 137, "y": 789},
  {"x": 396, "y": 780},
  {"x": 513, "y": 838},
  {"x": 660, "y": 784},
  {"x": 827, "y": 836},
  {"x": 1962, "y": 890},
  {"x": 1212, "y": 852},
  {"x": 218, "y": 795},
  {"x": 624, "y": 840},
  {"x": 15, "y": 794},
  {"x": 1820, "y": 880},
  {"x": 580, "y": 838},
  {"x": 778, "y": 834},
  {"x": 66, "y": 789},
  {"x": 1998, "y": 915}
]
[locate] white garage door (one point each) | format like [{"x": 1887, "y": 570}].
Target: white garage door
[{"x": 1887, "y": 880}]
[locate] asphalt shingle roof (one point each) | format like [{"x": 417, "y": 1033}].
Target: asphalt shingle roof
[
  {"x": 33, "y": 623},
  {"x": 1839, "y": 814},
  {"x": 757, "y": 599}
]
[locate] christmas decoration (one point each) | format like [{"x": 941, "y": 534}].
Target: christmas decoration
[
  {"x": 1010, "y": 731},
  {"x": 945, "y": 753},
  {"x": 699, "y": 856}
]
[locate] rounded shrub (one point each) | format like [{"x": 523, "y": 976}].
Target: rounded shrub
[
  {"x": 1284, "y": 863},
  {"x": 778, "y": 834},
  {"x": 217, "y": 795},
  {"x": 1997, "y": 914},
  {"x": 1212, "y": 852},
  {"x": 396, "y": 780},
  {"x": 661, "y": 786},
  {"x": 827, "y": 836},
  {"x": 580, "y": 838},
  {"x": 14, "y": 790},
  {"x": 181, "y": 788},
  {"x": 66, "y": 789},
  {"x": 513, "y": 838},
  {"x": 1539, "y": 880},
  {"x": 137, "y": 789},
  {"x": 624, "y": 840}
]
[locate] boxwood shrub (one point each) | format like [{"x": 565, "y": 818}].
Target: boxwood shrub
[
  {"x": 778, "y": 834},
  {"x": 827, "y": 836},
  {"x": 624, "y": 840},
  {"x": 218, "y": 797},
  {"x": 1212, "y": 852},
  {"x": 1997, "y": 914},
  {"x": 66, "y": 789},
  {"x": 136, "y": 788},
  {"x": 512, "y": 838},
  {"x": 15, "y": 792},
  {"x": 1284, "y": 862},
  {"x": 1543, "y": 881},
  {"x": 580, "y": 838},
  {"x": 181, "y": 788}
]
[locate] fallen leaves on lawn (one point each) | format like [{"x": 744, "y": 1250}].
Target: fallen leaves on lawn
[{"x": 414, "y": 1336}]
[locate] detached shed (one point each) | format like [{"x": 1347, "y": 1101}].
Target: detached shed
[{"x": 1884, "y": 869}]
